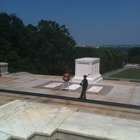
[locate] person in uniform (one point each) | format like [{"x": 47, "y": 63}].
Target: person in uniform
[{"x": 84, "y": 85}]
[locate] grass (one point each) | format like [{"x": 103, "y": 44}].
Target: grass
[
  {"x": 114, "y": 79},
  {"x": 128, "y": 74},
  {"x": 135, "y": 81}
]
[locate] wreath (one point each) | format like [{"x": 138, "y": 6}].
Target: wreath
[{"x": 66, "y": 77}]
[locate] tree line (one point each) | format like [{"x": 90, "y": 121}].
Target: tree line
[{"x": 47, "y": 48}]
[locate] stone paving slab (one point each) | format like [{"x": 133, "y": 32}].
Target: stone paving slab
[
  {"x": 105, "y": 110},
  {"x": 112, "y": 91},
  {"x": 22, "y": 119},
  {"x": 97, "y": 126},
  {"x": 57, "y": 85},
  {"x": 122, "y": 92},
  {"x": 4, "y": 136}
]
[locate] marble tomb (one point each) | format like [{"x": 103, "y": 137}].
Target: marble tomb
[{"x": 87, "y": 66}]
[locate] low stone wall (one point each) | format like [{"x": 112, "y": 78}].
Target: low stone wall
[{"x": 3, "y": 68}]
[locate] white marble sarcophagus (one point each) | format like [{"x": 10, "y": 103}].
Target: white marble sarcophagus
[{"x": 87, "y": 66}]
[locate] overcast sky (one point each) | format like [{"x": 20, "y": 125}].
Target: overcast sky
[{"x": 94, "y": 22}]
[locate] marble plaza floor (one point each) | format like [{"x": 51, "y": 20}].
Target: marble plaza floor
[{"x": 90, "y": 120}]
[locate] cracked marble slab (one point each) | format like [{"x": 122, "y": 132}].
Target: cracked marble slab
[
  {"x": 21, "y": 119},
  {"x": 4, "y": 136}
]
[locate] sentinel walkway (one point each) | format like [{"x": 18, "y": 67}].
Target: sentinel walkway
[{"x": 33, "y": 107}]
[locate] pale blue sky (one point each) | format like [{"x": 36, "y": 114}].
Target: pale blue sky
[{"x": 94, "y": 22}]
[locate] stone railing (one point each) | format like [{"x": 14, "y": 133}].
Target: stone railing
[{"x": 3, "y": 68}]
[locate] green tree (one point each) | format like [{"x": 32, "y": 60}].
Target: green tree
[
  {"x": 134, "y": 51},
  {"x": 135, "y": 59},
  {"x": 62, "y": 43},
  {"x": 47, "y": 48},
  {"x": 7, "y": 54}
]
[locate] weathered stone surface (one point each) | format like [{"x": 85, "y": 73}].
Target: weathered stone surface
[
  {"x": 3, "y": 68},
  {"x": 22, "y": 119},
  {"x": 37, "y": 121}
]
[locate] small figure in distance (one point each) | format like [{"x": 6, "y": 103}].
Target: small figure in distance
[{"x": 84, "y": 85}]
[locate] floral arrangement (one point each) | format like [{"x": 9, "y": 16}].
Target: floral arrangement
[{"x": 66, "y": 77}]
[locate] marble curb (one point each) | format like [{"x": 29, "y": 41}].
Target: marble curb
[
  {"x": 59, "y": 130},
  {"x": 8, "y": 104},
  {"x": 41, "y": 134}
]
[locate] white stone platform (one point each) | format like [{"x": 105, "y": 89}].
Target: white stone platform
[
  {"x": 21, "y": 119},
  {"x": 38, "y": 121},
  {"x": 87, "y": 66}
]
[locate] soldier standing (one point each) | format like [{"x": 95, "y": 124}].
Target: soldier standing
[{"x": 84, "y": 85}]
